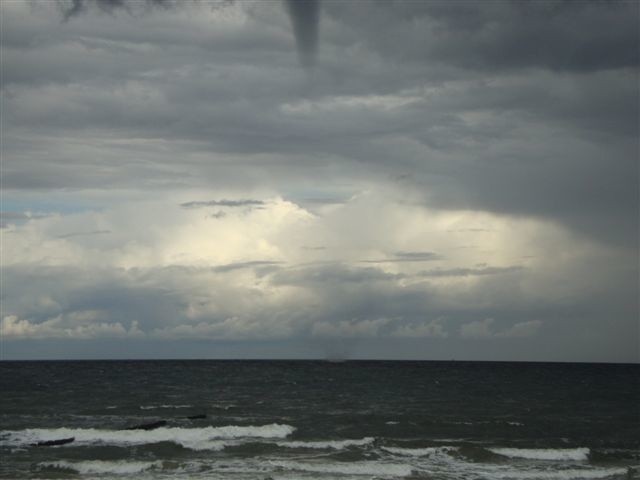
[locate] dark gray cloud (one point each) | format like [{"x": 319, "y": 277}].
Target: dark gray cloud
[
  {"x": 75, "y": 7},
  {"x": 332, "y": 273},
  {"x": 564, "y": 36},
  {"x": 84, "y": 234},
  {"x": 408, "y": 257},
  {"x": 222, "y": 203},
  {"x": 254, "y": 264},
  {"x": 14, "y": 216},
  {"x": 469, "y": 272},
  {"x": 42, "y": 293},
  {"x": 417, "y": 256},
  {"x": 304, "y": 15},
  {"x": 72, "y": 8},
  {"x": 7, "y": 217}
]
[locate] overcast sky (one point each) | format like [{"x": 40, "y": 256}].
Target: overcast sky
[{"x": 364, "y": 179}]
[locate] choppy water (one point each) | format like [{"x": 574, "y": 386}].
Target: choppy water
[{"x": 320, "y": 420}]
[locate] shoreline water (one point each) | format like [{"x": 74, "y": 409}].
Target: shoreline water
[{"x": 315, "y": 419}]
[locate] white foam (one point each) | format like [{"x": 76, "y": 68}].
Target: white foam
[
  {"x": 419, "y": 452},
  {"x": 356, "y": 468},
  {"x": 101, "y": 466},
  {"x": 569, "y": 474},
  {"x": 579, "y": 454},
  {"x": 207, "y": 438},
  {"x": 329, "y": 444},
  {"x": 442, "y": 465}
]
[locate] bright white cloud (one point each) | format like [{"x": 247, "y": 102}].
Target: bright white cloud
[{"x": 251, "y": 273}]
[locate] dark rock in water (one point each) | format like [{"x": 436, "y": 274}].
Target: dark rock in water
[
  {"x": 148, "y": 426},
  {"x": 53, "y": 443},
  {"x": 197, "y": 417}
]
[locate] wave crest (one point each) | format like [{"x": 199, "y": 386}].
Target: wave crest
[
  {"x": 419, "y": 452},
  {"x": 558, "y": 454},
  {"x": 360, "y": 468},
  {"x": 120, "y": 467},
  {"x": 207, "y": 438},
  {"x": 328, "y": 444}
]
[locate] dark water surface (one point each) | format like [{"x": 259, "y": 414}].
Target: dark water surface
[{"x": 308, "y": 420}]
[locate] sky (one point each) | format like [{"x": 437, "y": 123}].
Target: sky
[{"x": 322, "y": 179}]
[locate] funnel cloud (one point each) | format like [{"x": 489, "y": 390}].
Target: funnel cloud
[{"x": 305, "y": 19}]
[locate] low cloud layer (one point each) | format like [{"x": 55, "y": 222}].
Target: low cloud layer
[
  {"x": 462, "y": 186},
  {"x": 247, "y": 277}
]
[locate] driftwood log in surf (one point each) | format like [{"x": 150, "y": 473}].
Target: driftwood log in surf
[{"x": 53, "y": 443}]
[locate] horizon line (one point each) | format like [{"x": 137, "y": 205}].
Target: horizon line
[{"x": 323, "y": 360}]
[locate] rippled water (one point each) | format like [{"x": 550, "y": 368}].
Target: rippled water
[{"x": 308, "y": 420}]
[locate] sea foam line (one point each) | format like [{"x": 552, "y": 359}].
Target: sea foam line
[
  {"x": 356, "y": 468},
  {"x": 573, "y": 474},
  {"x": 578, "y": 454},
  {"x": 419, "y": 452},
  {"x": 328, "y": 444},
  {"x": 193, "y": 438},
  {"x": 103, "y": 466}
]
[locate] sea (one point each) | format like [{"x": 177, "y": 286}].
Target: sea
[{"x": 319, "y": 420}]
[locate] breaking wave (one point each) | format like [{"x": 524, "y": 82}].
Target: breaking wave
[
  {"x": 329, "y": 444},
  {"x": 360, "y": 468},
  {"x": 207, "y": 438},
  {"x": 578, "y": 454},
  {"x": 570, "y": 474},
  {"x": 119, "y": 467},
  {"x": 419, "y": 452}
]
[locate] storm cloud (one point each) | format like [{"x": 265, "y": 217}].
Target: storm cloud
[{"x": 459, "y": 174}]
